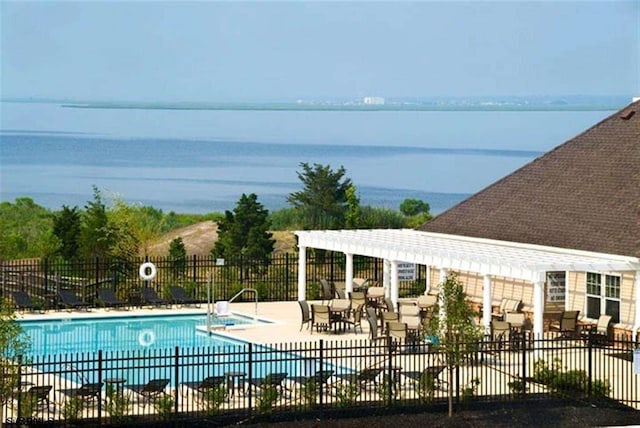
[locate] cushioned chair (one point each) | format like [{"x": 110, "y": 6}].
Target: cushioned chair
[
  {"x": 305, "y": 314},
  {"x": 567, "y": 325}
]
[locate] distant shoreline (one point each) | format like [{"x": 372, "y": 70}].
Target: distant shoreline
[{"x": 343, "y": 108}]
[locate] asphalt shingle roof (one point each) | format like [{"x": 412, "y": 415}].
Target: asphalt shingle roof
[{"x": 584, "y": 194}]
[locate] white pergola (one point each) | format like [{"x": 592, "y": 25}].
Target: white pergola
[{"x": 452, "y": 252}]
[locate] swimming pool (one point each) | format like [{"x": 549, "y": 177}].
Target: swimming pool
[
  {"x": 132, "y": 333},
  {"x": 141, "y": 348}
]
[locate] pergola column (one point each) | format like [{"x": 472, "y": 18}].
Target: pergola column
[
  {"x": 394, "y": 283},
  {"x": 538, "y": 305},
  {"x": 348, "y": 281},
  {"x": 486, "y": 303},
  {"x": 302, "y": 273},
  {"x": 386, "y": 277}
]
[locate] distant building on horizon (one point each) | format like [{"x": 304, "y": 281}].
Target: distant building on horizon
[{"x": 374, "y": 101}]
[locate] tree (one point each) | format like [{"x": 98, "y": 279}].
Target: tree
[
  {"x": 322, "y": 203},
  {"x": 66, "y": 227},
  {"x": 411, "y": 207},
  {"x": 416, "y": 210},
  {"x": 454, "y": 325},
  {"x": 25, "y": 230},
  {"x": 96, "y": 237},
  {"x": 353, "y": 215},
  {"x": 177, "y": 257},
  {"x": 13, "y": 343},
  {"x": 245, "y": 232}
]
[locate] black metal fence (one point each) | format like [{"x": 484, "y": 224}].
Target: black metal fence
[
  {"x": 274, "y": 281},
  {"x": 236, "y": 382}
]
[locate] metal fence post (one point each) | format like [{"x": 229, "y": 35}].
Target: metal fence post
[
  {"x": 99, "y": 383},
  {"x": 590, "y": 363},
  {"x": 177, "y": 377},
  {"x": 250, "y": 370},
  {"x": 321, "y": 368},
  {"x": 524, "y": 363}
]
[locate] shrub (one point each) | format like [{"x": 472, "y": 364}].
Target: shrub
[
  {"x": 568, "y": 382},
  {"x": 213, "y": 399},
  {"x": 267, "y": 399},
  {"x": 346, "y": 394}
]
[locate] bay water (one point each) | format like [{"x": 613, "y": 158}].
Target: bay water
[{"x": 199, "y": 161}]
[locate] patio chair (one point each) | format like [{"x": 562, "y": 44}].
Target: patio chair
[
  {"x": 506, "y": 306},
  {"x": 499, "y": 339},
  {"x": 355, "y": 318},
  {"x": 321, "y": 378},
  {"x": 388, "y": 317},
  {"x": 326, "y": 292},
  {"x": 340, "y": 294},
  {"x": 426, "y": 302},
  {"x": 150, "y": 297},
  {"x": 600, "y": 333},
  {"x": 38, "y": 396},
  {"x": 207, "y": 384},
  {"x": 23, "y": 301},
  {"x": 107, "y": 298},
  {"x": 358, "y": 298},
  {"x": 321, "y": 318},
  {"x": 272, "y": 380},
  {"x": 69, "y": 300},
  {"x": 365, "y": 378},
  {"x": 567, "y": 325},
  {"x": 150, "y": 390},
  {"x": 87, "y": 393},
  {"x": 179, "y": 296},
  {"x": 398, "y": 331},
  {"x": 305, "y": 314},
  {"x": 430, "y": 376}
]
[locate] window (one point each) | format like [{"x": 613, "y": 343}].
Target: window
[{"x": 603, "y": 300}]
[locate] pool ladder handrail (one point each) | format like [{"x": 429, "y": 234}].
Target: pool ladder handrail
[{"x": 255, "y": 293}]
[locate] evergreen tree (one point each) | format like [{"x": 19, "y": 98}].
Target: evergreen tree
[
  {"x": 177, "y": 257},
  {"x": 66, "y": 227},
  {"x": 353, "y": 216},
  {"x": 96, "y": 237},
  {"x": 245, "y": 232},
  {"x": 322, "y": 203}
]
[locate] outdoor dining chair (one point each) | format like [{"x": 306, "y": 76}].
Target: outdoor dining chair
[
  {"x": 600, "y": 333},
  {"x": 321, "y": 318},
  {"x": 567, "y": 325},
  {"x": 305, "y": 314},
  {"x": 326, "y": 291}
]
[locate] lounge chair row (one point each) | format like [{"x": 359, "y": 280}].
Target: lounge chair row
[{"x": 106, "y": 297}]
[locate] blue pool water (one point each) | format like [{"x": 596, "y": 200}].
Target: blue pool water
[
  {"x": 65, "y": 336},
  {"x": 150, "y": 347}
]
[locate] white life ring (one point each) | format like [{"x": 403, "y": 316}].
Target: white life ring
[
  {"x": 143, "y": 271},
  {"x": 146, "y": 337}
]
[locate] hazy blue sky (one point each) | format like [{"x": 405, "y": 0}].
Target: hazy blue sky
[{"x": 208, "y": 51}]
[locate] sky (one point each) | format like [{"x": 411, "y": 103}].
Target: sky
[{"x": 267, "y": 51}]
